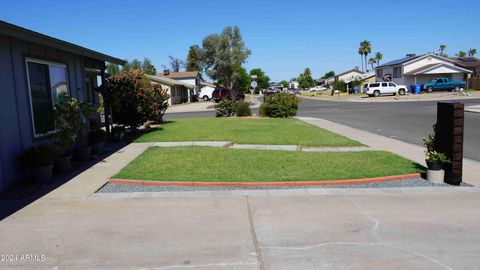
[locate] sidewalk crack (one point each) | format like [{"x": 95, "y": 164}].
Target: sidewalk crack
[{"x": 254, "y": 236}]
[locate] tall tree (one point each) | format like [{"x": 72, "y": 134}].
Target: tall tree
[
  {"x": 148, "y": 67},
  {"x": 378, "y": 57},
  {"x": 360, "y": 51},
  {"x": 442, "y": 48},
  {"x": 305, "y": 79},
  {"x": 112, "y": 69},
  {"x": 176, "y": 64},
  {"x": 462, "y": 54},
  {"x": 284, "y": 83},
  {"x": 331, "y": 73},
  {"x": 194, "y": 58},
  {"x": 136, "y": 64},
  {"x": 472, "y": 52},
  {"x": 372, "y": 61},
  {"x": 263, "y": 81},
  {"x": 222, "y": 54},
  {"x": 366, "y": 49},
  {"x": 241, "y": 80}
]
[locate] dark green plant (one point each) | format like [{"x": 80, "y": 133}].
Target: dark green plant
[
  {"x": 281, "y": 105},
  {"x": 97, "y": 136},
  {"x": 226, "y": 108},
  {"x": 262, "y": 111},
  {"x": 38, "y": 156},
  {"x": 243, "y": 109},
  {"x": 340, "y": 86},
  {"x": 436, "y": 157}
]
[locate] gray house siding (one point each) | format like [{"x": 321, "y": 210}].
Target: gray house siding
[{"x": 16, "y": 130}]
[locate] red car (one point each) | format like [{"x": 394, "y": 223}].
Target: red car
[{"x": 224, "y": 93}]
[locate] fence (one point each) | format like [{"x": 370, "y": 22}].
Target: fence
[{"x": 474, "y": 83}]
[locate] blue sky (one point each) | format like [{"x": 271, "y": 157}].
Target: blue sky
[{"x": 285, "y": 36}]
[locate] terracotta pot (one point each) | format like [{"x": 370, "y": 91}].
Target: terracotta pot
[
  {"x": 42, "y": 175},
  {"x": 97, "y": 148},
  {"x": 63, "y": 164},
  {"x": 83, "y": 153},
  {"x": 434, "y": 166}
]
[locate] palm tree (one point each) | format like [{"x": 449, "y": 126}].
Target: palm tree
[
  {"x": 360, "y": 51},
  {"x": 472, "y": 52},
  {"x": 372, "y": 61},
  {"x": 442, "y": 48},
  {"x": 462, "y": 54},
  {"x": 367, "y": 48},
  {"x": 378, "y": 57}
]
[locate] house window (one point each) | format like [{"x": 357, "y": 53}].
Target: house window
[
  {"x": 379, "y": 73},
  {"x": 46, "y": 81},
  {"x": 397, "y": 72}
]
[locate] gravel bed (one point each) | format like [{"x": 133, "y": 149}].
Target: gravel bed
[{"x": 112, "y": 188}]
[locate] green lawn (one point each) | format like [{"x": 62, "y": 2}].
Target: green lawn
[
  {"x": 246, "y": 131},
  {"x": 223, "y": 164}
]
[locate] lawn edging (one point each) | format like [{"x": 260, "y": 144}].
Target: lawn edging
[{"x": 265, "y": 184}]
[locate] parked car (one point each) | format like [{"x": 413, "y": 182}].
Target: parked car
[
  {"x": 294, "y": 91},
  {"x": 206, "y": 94},
  {"x": 317, "y": 88},
  {"x": 443, "y": 84},
  {"x": 382, "y": 88},
  {"x": 224, "y": 93}
]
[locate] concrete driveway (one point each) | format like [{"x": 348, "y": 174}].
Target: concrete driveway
[{"x": 416, "y": 228}]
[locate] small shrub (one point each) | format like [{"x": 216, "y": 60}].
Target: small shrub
[
  {"x": 226, "y": 108},
  {"x": 97, "y": 136},
  {"x": 340, "y": 86},
  {"x": 243, "y": 109},
  {"x": 281, "y": 105},
  {"x": 38, "y": 156},
  {"x": 262, "y": 111}
]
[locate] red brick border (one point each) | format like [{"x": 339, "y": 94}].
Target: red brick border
[{"x": 264, "y": 184}]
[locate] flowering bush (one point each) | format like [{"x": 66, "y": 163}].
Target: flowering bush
[{"x": 134, "y": 99}]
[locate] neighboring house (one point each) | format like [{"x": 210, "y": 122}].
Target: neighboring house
[
  {"x": 34, "y": 69},
  {"x": 473, "y": 64},
  {"x": 179, "y": 92},
  {"x": 293, "y": 85},
  {"x": 419, "y": 69},
  {"x": 349, "y": 75},
  {"x": 190, "y": 77},
  {"x": 206, "y": 91}
]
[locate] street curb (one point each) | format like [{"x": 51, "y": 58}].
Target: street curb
[{"x": 265, "y": 184}]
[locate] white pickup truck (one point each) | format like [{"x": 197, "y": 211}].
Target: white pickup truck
[
  {"x": 384, "y": 88},
  {"x": 317, "y": 88}
]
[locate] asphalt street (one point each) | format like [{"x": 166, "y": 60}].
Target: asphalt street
[{"x": 405, "y": 121}]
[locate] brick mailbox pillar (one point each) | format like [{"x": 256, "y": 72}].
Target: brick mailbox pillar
[{"x": 449, "y": 139}]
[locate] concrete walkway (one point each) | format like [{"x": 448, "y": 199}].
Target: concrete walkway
[
  {"x": 416, "y": 228},
  {"x": 228, "y": 144},
  {"x": 471, "y": 168}
]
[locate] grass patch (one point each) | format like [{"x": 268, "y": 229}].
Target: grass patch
[
  {"x": 221, "y": 164},
  {"x": 246, "y": 131}
]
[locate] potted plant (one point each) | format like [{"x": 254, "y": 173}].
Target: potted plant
[
  {"x": 433, "y": 158},
  {"x": 65, "y": 138},
  {"x": 96, "y": 138},
  {"x": 118, "y": 132},
  {"x": 39, "y": 161}
]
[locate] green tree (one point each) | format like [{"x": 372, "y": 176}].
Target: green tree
[
  {"x": 472, "y": 52},
  {"x": 148, "y": 67},
  {"x": 305, "y": 79},
  {"x": 194, "y": 59},
  {"x": 366, "y": 49},
  {"x": 136, "y": 64},
  {"x": 112, "y": 69},
  {"x": 372, "y": 61},
  {"x": 263, "y": 81},
  {"x": 222, "y": 54},
  {"x": 329, "y": 74},
  {"x": 442, "y": 48},
  {"x": 176, "y": 64},
  {"x": 284, "y": 83},
  {"x": 462, "y": 54},
  {"x": 241, "y": 80},
  {"x": 378, "y": 57}
]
